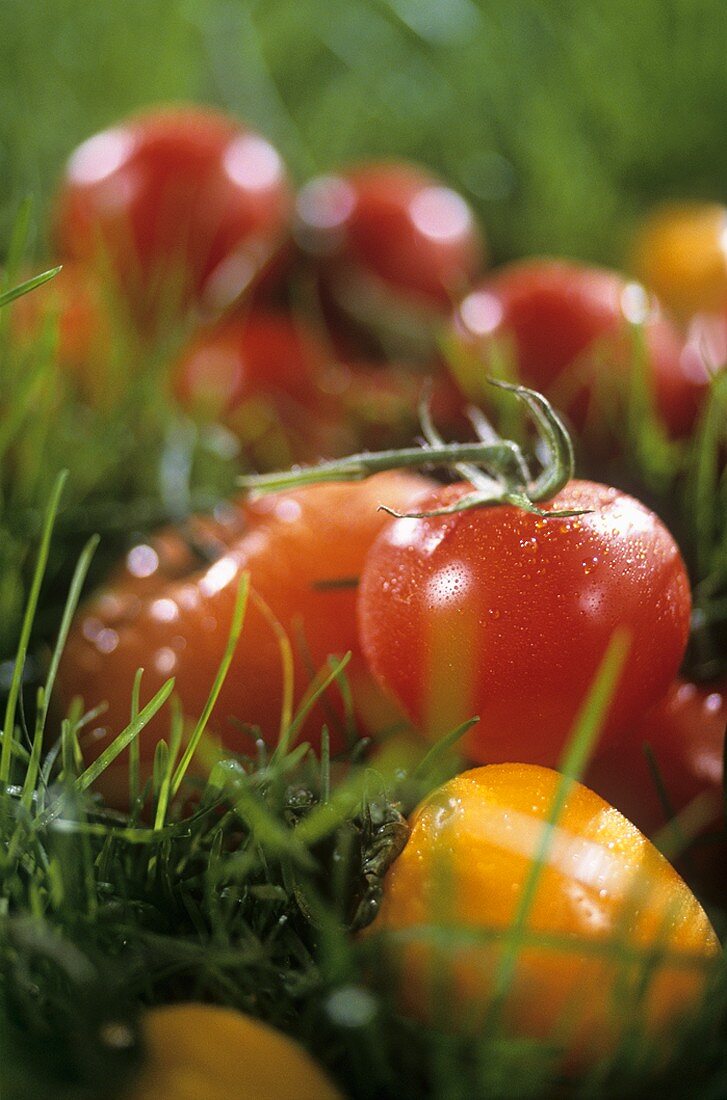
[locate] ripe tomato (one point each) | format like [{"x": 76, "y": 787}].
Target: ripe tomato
[
  {"x": 567, "y": 327},
  {"x": 176, "y": 552},
  {"x": 681, "y": 252},
  {"x": 196, "y": 1051},
  {"x": 259, "y": 375},
  {"x": 393, "y": 223},
  {"x": 466, "y": 864},
  {"x": 685, "y": 732},
  {"x": 182, "y": 206},
  {"x": 506, "y": 615},
  {"x": 304, "y": 551}
]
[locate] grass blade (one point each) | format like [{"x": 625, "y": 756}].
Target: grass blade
[
  {"x": 30, "y": 610},
  {"x": 238, "y": 617}
]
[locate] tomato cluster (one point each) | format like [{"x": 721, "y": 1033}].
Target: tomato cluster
[{"x": 501, "y": 612}]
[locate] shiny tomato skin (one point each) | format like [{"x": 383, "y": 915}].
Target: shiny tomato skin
[
  {"x": 304, "y": 551},
  {"x": 396, "y": 222},
  {"x": 566, "y": 326},
  {"x": 466, "y": 864},
  {"x": 685, "y": 732},
  {"x": 680, "y": 251},
  {"x": 182, "y": 206},
  {"x": 195, "y": 1051},
  {"x": 178, "y": 551},
  {"x": 505, "y": 615}
]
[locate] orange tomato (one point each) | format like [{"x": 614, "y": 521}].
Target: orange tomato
[
  {"x": 304, "y": 551},
  {"x": 681, "y": 252},
  {"x": 203, "y": 1052},
  {"x": 603, "y": 900}
]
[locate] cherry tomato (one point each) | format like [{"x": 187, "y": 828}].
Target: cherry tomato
[
  {"x": 182, "y": 206},
  {"x": 681, "y": 252},
  {"x": 471, "y": 852},
  {"x": 259, "y": 375},
  {"x": 196, "y": 1051},
  {"x": 395, "y": 223},
  {"x": 567, "y": 328},
  {"x": 304, "y": 551},
  {"x": 499, "y": 613},
  {"x": 685, "y": 732}
]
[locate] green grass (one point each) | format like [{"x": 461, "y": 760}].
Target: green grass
[{"x": 562, "y": 122}]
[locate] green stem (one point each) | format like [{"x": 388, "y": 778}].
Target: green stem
[
  {"x": 503, "y": 479},
  {"x": 360, "y": 466}
]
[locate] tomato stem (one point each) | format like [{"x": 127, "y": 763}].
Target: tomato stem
[{"x": 495, "y": 467}]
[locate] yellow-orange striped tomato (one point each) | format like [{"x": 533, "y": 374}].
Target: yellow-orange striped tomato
[
  {"x": 203, "y": 1052},
  {"x": 612, "y": 939}
]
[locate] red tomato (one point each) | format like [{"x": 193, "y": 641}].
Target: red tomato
[
  {"x": 506, "y": 615},
  {"x": 259, "y": 375},
  {"x": 567, "y": 327},
  {"x": 304, "y": 551},
  {"x": 183, "y": 205},
  {"x": 468, "y": 864},
  {"x": 685, "y": 732},
  {"x": 395, "y": 223},
  {"x": 681, "y": 252}
]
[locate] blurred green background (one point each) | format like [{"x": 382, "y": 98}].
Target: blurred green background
[{"x": 560, "y": 119}]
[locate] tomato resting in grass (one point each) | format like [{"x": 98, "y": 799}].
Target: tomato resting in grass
[
  {"x": 259, "y": 375},
  {"x": 204, "y": 1052},
  {"x": 568, "y": 331},
  {"x": 393, "y": 222},
  {"x": 183, "y": 206},
  {"x": 503, "y": 614},
  {"x": 685, "y": 732},
  {"x": 583, "y": 976},
  {"x": 304, "y": 551},
  {"x": 680, "y": 251}
]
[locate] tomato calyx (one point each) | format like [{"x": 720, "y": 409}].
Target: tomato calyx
[{"x": 496, "y": 468}]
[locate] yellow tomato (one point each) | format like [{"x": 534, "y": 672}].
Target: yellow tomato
[
  {"x": 202, "y": 1052},
  {"x": 602, "y": 900},
  {"x": 681, "y": 253}
]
